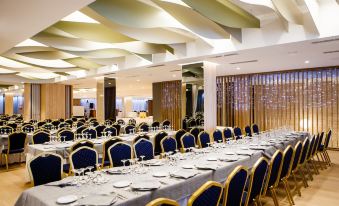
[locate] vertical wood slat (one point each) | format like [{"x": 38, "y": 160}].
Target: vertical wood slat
[{"x": 303, "y": 99}]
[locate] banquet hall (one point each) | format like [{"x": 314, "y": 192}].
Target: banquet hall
[{"x": 169, "y": 102}]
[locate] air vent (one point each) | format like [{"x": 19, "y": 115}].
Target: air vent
[
  {"x": 176, "y": 70},
  {"x": 109, "y": 74},
  {"x": 215, "y": 57},
  {"x": 244, "y": 62},
  {"x": 325, "y": 41},
  {"x": 331, "y": 52},
  {"x": 159, "y": 65},
  {"x": 233, "y": 54}
]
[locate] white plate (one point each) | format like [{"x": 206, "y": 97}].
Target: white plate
[
  {"x": 122, "y": 184},
  {"x": 160, "y": 174},
  {"x": 188, "y": 166},
  {"x": 212, "y": 159},
  {"x": 67, "y": 199},
  {"x": 146, "y": 185}
]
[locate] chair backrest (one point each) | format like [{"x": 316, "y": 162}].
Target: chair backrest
[
  {"x": 208, "y": 194},
  {"x": 83, "y": 157},
  {"x": 111, "y": 131},
  {"x": 178, "y": 136},
  {"x": 235, "y": 186},
  {"x": 257, "y": 179},
  {"x": 82, "y": 143},
  {"x": 237, "y": 131},
  {"x": 144, "y": 148},
  {"x": 119, "y": 151},
  {"x": 108, "y": 122},
  {"x": 166, "y": 123},
  {"x": 48, "y": 126},
  {"x": 16, "y": 141},
  {"x": 13, "y": 125},
  {"x": 117, "y": 127},
  {"x": 80, "y": 125},
  {"x": 168, "y": 144},
  {"x": 91, "y": 133},
  {"x": 195, "y": 132},
  {"x": 40, "y": 137},
  {"x": 248, "y": 131},
  {"x": 297, "y": 155},
  {"x": 45, "y": 168},
  {"x": 157, "y": 139},
  {"x": 217, "y": 136},
  {"x": 163, "y": 202},
  {"x": 27, "y": 128},
  {"x": 274, "y": 170},
  {"x": 203, "y": 139},
  {"x": 306, "y": 146},
  {"x": 255, "y": 129},
  {"x": 132, "y": 122},
  {"x": 69, "y": 121},
  {"x": 144, "y": 127},
  {"x": 121, "y": 122},
  {"x": 155, "y": 124},
  {"x": 67, "y": 134},
  {"x": 328, "y": 138},
  {"x": 227, "y": 133},
  {"x": 187, "y": 141},
  {"x": 141, "y": 136},
  {"x": 129, "y": 128},
  {"x": 309, "y": 154},
  {"x": 192, "y": 123},
  {"x": 107, "y": 144},
  {"x": 100, "y": 129},
  {"x": 316, "y": 144},
  {"x": 64, "y": 125},
  {"x": 56, "y": 123},
  {"x": 288, "y": 159},
  {"x": 40, "y": 124},
  {"x": 321, "y": 138}
]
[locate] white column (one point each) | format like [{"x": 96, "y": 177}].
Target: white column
[
  {"x": 210, "y": 99},
  {"x": 100, "y": 107}
]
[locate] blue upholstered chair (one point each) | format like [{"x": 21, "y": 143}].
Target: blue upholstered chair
[
  {"x": 234, "y": 187},
  {"x": 117, "y": 127},
  {"x": 69, "y": 121},
  {"x": 248, "y": 131},
  {"x": 302, "y": 161},
  {"x": 80, "y": 124},
  {"x": 45, "y": 168},
  {"x": 66, "y": 135},
  {"x": 93, "y": 123},
  {"x": 111, "y": 131},
  {"x": 163, "y": 202},
  {"x": 144, "y": 127},
  {"x": 80, "y": 129},
  {"x": 108, "y": 122},
  {"x": 227, "y": 134},
  {"x": 90, "y": 133},
  {"x": 256, "y": 182},
  {"x": 323, "y": 148},
  {"x": 272, "y": 179},
  {"x": 132, "y": 122},
  {"x": 208, "y": 194},
  {"x": 13, "y": 125},
  {"x": 82, "y": 143},
  {"x": 308, "y": 157},
  {"x": 187, "y": 141},
  {"x": 237, "y": 132},
  {"x": 255, "y": 129},
  {"x": 82, "y": 158},
  {"x": 119, "y": 151},
  {"x": 166, "y": 123},
  {"x": 121, "y": 122},
  {"x": 178, "y": 136},
  {"x": 40, "y": 124},
  {"x": 105, "y": 147},
  {"x": 16, "y": 145},
  {"x": 217, "y": 136},
  {"x": 48, "y": 126},
  {"x": 27, "y": 128},
  {"x": 288, "y": 159},
  {"x": 157, "y": 139},
  {"x": 144, "y": 148},
  {"x": 40, "y": 137},
  {"x": 100, "y": 129},
  {"x": 64, "y": 125},
  {"x": 155, "y": 124},
  {"x": 295, "y": 165},
  {"x": 312, "y": 154},
  {"x": 129, "y": 128},
  {"x": 141, "y": 136},
  {"x": 203, "y": 139},
  {"x": 168, "y": 144},
  {"x": 195, "y": 132},
  {"x": 55, "y": 123}
]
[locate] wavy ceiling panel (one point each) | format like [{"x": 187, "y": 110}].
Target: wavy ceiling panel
[
  {"x": 101, "y": 53},
  {"x": 224, "y": 12},
  {"x": 134, "y": 14},
  {"x": 83, "y": 63},
  {"x": 92, "y": 32},
  {"x": 194, "y": 21},
  {"x": 48, "y": 55},
  {"x": 289, "y": 10}
]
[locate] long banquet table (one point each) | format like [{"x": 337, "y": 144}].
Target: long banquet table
[{"x": 248, "y": 151}]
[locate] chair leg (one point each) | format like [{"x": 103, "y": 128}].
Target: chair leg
[
  {"x": 296, "y": 184},
  {"x": 6, "y": 159},
  {"x": 302, "y": 174},
  {"x": 309, "y": 171},
  {"x": 314, "y": 166},
  {"x": 325, "y": 158},
  {"x": 329, "y": 159},
  {"x": 274, "y": 197},
  {"x": 288, "y": 192},
  {"x": 323, "y": 162},
  {"x": 319, "y": 162}
]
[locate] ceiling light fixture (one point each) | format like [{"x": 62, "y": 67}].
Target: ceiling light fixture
[
  {"x": 306, "y": 62},
  {"x": 238, "y": 68}
]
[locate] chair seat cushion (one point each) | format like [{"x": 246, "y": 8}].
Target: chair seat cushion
[
  {"x": 13, "y": 151},
  {"x": 66, "y": 168}
]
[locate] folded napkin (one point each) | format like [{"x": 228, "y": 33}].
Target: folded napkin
[
  {"x": 154, "y": 162},
  {"x": 206, "y": 166},
  {"x": 245, "y": 152},
  {"x": 115, "y": 171},
  {"x": 146, "y": 185},
  {"x": 184, "y": 173},
  {"x": 61, "y": 183},
  {"x": 258, "y": 147},
  {"x": 98, "y": 200},
  {"x": 230, "y": 158}
]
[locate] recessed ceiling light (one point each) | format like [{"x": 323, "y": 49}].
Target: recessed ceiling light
[
  {"x": 306, "y": 62},
  {"x": 238, "y": 68}
]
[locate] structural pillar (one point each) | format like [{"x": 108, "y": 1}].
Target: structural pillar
[{"x": 210, "y": 99}]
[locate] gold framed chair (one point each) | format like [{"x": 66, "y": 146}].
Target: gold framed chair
[
  {"x": 208, "y": 194},
  {"x": 235, "y": 186},
  {"x": 288, "y": 158},
  {"x": 162, "y": 202}
]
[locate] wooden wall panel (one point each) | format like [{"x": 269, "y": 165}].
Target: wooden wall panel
[
  {"x": 27, "y": 101},
  {"x": 52, "y": 101},
  {"x": 9, "y": 103},
  {"x": 167, "y": 102},
  {"x": 300, "y": 99}
]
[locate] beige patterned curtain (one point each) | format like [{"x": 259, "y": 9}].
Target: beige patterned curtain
[{"x": 301, "y": 99}]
